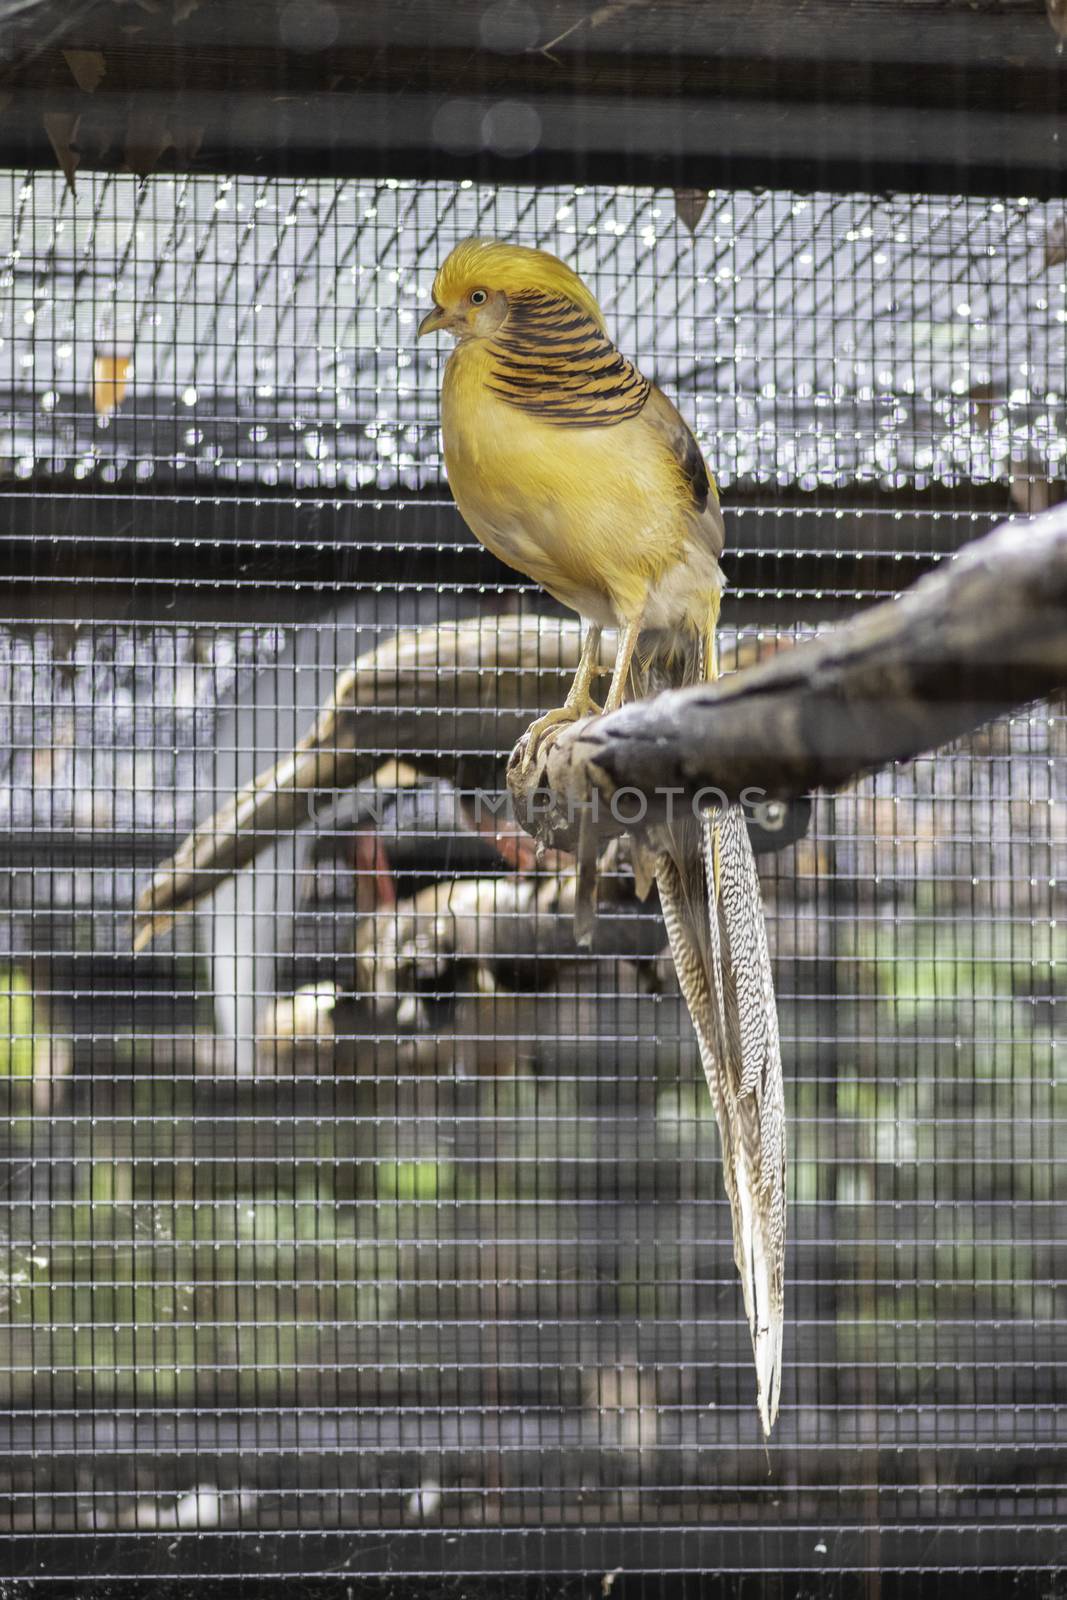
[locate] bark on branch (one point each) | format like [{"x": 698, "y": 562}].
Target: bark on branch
[
  {"x": 979, "y": 637},
  {"x": 422, "y": 696}
]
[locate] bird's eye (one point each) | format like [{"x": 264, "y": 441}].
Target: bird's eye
[{"x": 478, "y": 297}]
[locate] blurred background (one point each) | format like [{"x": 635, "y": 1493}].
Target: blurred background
[{"x": 361, "y": 1224}]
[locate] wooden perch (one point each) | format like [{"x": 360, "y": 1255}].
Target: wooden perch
[
  {"x": 424, "y": 694},
  {"x": 981, "y": 636}
]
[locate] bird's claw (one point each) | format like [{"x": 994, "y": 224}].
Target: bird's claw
[{"x": 539, "y": 730}]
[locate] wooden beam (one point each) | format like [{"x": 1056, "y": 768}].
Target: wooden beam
[{"x": 833, "y": 94}]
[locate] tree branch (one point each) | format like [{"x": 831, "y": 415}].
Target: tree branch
[
  {"x": 423, "y": 695},
  {"x": 966, "y": 644},
  {"x": 979, "y": 637}
]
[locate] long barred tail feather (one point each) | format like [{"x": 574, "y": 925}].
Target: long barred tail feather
[
  {"x": 750, "y": 1056},
  {"x": 710, "y": 895}
]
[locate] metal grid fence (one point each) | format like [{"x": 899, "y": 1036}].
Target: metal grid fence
[{"x": 344, "y": 1233}]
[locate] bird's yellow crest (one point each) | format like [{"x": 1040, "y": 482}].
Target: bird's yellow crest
[{"x": 512, "y": 268}]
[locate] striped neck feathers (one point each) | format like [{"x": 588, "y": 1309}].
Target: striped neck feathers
[{"x": 551, "y": 360}]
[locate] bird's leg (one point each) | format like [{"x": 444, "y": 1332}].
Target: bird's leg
[
  {"x": 585, "y": 889},
  {"x": 579, "y": 702},
  {"x": 578, "y": 698},
  {"x": 623, "y": 657},
  {"x": 710, "y": 651}
]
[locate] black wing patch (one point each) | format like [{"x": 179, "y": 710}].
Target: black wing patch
[{"x": 694, "y": 469}]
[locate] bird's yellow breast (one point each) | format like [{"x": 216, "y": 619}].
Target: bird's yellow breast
[{"x": 593, "y": 514}]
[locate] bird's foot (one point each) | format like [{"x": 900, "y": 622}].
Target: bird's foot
[{"x": 570, "y": 711}]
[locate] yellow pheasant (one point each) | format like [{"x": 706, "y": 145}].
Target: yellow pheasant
[{"x": 572, "y": 467}]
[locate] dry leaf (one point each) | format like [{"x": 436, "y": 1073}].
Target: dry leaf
[
  {"x": 689, "y": 206},
  {"x": 62, "y": 130},
  {"x": 147, "y": 136},
  {"x": 1057, "y": 16},
  {"x": 111, "y": 376},
  {"x": 1056, "y": 243},
  {"x": 87, "y": 67}
]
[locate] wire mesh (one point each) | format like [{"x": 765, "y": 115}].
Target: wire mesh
[{"x": 362, "y": 1224}]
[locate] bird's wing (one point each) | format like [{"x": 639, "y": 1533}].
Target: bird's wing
[{"x": 705, "y": 517}]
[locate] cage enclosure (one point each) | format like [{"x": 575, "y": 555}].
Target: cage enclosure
[{"x": 359, "y": 1222}]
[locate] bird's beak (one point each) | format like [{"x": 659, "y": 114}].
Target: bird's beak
[{"x": 433, "y": 321}]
